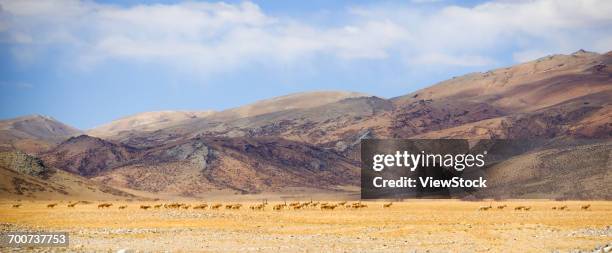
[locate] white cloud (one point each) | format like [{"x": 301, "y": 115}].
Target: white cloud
[{"x": 212, "y": 37}]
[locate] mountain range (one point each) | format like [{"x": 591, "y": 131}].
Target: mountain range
[{"x": 310, "y": 141}]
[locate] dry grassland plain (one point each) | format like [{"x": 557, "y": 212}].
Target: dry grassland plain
[{"x": 419, "y": 225}]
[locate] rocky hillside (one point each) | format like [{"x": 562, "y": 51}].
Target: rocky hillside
[
  {"x": 87, "y": 156},
  {"x": 145, "y": 122},
  {"x": 312, "y": 140},
  {"x": 24, "y": 176},
  {"x": 195, "y": 166},
  {"x": 576, "y": 172},
  {"x": 160, "y": 127}
]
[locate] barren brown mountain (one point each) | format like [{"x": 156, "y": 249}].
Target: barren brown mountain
[
  {"x": 193, "y": 167},
  {"x": 312, "y": 140},
  {"x": 23, "y": 176},
  {"x": 580, "y": 171},
  {"x": 548, "y": 97},
  {"x": 33, "y": 134},
  {"x": 88, "y": 156},
  {"x": 146, "y": 121}
]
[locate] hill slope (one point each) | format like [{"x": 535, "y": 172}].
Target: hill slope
[
  {"x": 87, "y": 156},
  {"x": 23, "y": 176},
  {"x": 195, "y": 166},
  {"x": 146, "y": 121},
  {"x": 312, "y": 140},
  {"x": 33, "y": 134}
]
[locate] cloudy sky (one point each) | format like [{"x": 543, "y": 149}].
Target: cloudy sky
[{"x": 89, "y": 62}]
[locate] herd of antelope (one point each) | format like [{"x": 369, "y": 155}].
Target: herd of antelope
[
  {"x": 528, "y": 208},
  {"x": 291, "y": 206}
]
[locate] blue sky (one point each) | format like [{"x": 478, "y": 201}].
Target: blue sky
[{"x": 86, "y": 63}]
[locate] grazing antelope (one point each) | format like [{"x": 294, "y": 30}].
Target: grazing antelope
[
  {"x": 236, "y": 206},
  {"x": 72, "y": 204},
  {"x": 258, "y": 207},
  {"x": 328, "y": 207},
  {"x": 527, "y": 208},
  {"x": 144, "y": 207},
  {"x": 186, "y": 207},
  {"x": 201, "y": 206},
  {"x": 279, "y": 207},
  {"x": 502, "y": 207},
  {"x": 518, "y": 208},
  {"x": 51, "y": 205},
  {"x": 562, "y": 208},
  {"x": 105, "y": 205},
  {"x": 387, "y": 205},
  {"x": 216, "y": 206},
  {"x": 485, "y": 208},
  {"x": 122, "y": 207},
  {"x": 554, "y": 208},
  {"x": 173, "y": 205},
  {"x": 358, "y": 205},
  {"x": 16, "y": 205},
  {"x": 585, "y": 207},
  {"x": 157, "y": 206},
  {"x": 342, "y": 203}
]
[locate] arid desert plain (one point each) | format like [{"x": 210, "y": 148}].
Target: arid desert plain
[{"x": 408, "y": 226}]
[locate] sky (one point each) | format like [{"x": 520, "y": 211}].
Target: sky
[{"x": 86, "y": 63}]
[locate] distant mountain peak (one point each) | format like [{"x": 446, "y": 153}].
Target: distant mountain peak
[
  {"x": 33, "y": 133},
  {"x": 146, "y": 121}
]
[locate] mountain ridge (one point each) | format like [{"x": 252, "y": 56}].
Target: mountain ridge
[{"x": 292, "y": 141}]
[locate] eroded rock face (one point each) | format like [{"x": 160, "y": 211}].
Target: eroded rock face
[
  {"x": 246, "y": 165},
  {"x": 88, "y": 156},
  {"x": 23, "y": 163},
  {"x": 196, "y": 152},
  {"x": 428, "y": 115}
]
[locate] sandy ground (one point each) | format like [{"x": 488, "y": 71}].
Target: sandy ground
[{"x": 434, "y": 225}]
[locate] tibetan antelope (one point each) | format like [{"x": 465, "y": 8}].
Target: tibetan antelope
[
  {"x": 358, "y": 205},
  {"x": 328, "y": 207},
  {"x": 258, "y": 207},
  {"x": 485, "y": 208},
  {"x": 201, "y": 206},
  {"x": 51, "y": 205},
  {"x": 105, "y": 205}
]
